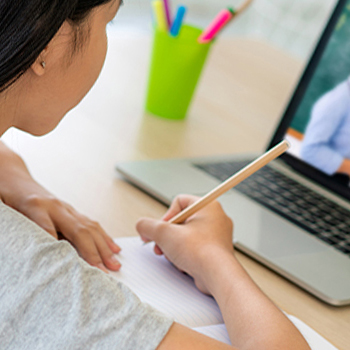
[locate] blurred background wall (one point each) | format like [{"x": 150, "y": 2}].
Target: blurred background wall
[{"x": 293, "y": 25}]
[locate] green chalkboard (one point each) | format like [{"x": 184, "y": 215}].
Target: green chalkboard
[{"x": 333, "y": 69}]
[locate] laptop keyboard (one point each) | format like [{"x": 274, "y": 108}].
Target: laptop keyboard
[{"x": 316, "y": 214}]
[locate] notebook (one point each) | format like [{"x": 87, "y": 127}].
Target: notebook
[
  {"x": 157, "y": 282},
  {"x": 294, "y": 215}
]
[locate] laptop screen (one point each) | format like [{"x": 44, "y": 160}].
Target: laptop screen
[{"x": 317, "y": 123}]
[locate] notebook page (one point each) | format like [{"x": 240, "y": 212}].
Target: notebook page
[{"x": 160, "y": 284}]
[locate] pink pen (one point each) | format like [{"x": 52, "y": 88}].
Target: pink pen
[
  {"x": 167, "y": 13},
  {"x": 216, "y": 26}
]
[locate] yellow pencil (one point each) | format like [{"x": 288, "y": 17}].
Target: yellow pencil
[{"x": 160, "y": 15}]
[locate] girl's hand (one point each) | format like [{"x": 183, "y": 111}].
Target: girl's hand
[
  {"x": 19, "y": 191},
  {"x": 192, "y": 246}
]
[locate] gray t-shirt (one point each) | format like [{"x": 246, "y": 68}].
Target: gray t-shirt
[{"x": 51, "y": 299}]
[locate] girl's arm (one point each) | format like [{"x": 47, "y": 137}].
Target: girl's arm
[
  {"x": 202, "y": 247},
  {"x": 21, "y": 192}
]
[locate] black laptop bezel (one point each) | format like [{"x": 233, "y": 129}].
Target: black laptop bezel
[{"x": 299, "y": 93}]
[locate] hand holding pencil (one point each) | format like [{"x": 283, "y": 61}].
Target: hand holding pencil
[{"x": 212, "y": 230}]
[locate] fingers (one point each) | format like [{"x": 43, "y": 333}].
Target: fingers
[
  {"x": 151, "y": 229},
  {"x": 105, "y": 254},
  {"x": 54, "y": 216},
  {"x": 88, "y": 237},
  {"x": 180, "y": 203},
  {"x": 112, "y": 246},
  {"x": 90, "y": 240},
  {"x": 146, "y": 227},
  {"x": 157, "y": 250},
  {"x": 89, "y": 251},
  {"x": 87, "y": 248}
]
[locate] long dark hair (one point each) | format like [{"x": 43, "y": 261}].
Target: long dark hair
[{"x": 26, "y": 28}]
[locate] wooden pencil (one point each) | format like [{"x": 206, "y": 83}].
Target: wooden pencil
[{"x": 231, "y": 182}]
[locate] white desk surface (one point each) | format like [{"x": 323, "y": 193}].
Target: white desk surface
[{"x": 241, "y": 96}]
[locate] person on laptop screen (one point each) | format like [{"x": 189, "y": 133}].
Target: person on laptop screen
[
  {"x": 320, "y": 128},
  {"x": 326, "y": 143}
]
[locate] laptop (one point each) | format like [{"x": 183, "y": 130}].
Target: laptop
[{"x": 294, "y": 214}]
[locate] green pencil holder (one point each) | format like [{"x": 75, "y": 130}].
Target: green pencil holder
[{"x": 176, "y": 66}]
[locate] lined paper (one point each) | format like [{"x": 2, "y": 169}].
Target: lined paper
[
  {"x": 157, "y": 282},
  {"x": 160, "y": 284}
]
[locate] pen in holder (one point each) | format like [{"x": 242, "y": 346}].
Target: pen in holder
[{"x": 176, "y": 66}]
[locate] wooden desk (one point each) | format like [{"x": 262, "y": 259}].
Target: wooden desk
[{"x": 240, "y": 99}]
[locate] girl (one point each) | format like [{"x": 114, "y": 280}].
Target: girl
[{"x": 51, "y": 53}]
